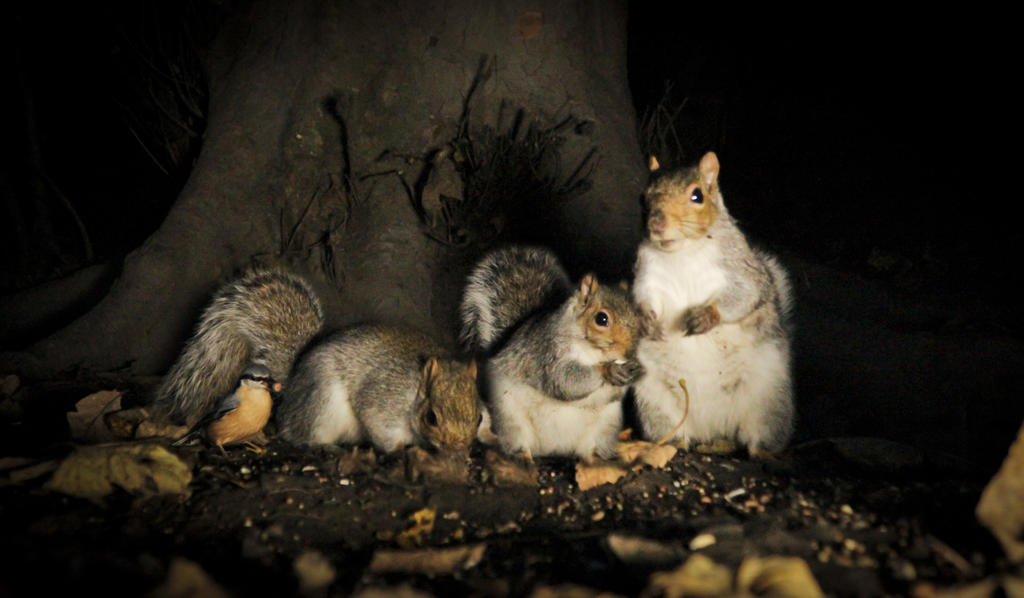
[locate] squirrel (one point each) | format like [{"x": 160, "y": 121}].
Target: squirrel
[
  {"x": 722, "y": 310},
  {"x": 265, "y": 316},
  {"x": 392, "y": 386},
  {"x": 558, "y": 358}
]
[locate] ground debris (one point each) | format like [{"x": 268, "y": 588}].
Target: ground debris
[
  {"x": 428, "y": 561},
  {"x": 699, "y": 576},
  {"x": 591, "y": 475},
  {"x": 569, "y": 591},
  {"x": 140, "y": 468},
  {"x": 88, "y": 422},
  {"x": 1001, "y": 508},
  {"x": 505, "y": 471},
  {"x": 314, "y": 572},
  {"x": 634, "y": 550},
  {"x": 639, "y": 453},
  {"x": 186, "y": 579}
]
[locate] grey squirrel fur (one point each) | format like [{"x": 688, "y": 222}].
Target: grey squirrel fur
[{"x": 559, "y": 357}]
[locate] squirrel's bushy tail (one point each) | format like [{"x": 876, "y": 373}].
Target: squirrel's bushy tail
[
  {"x": 264, "y": 316},
  {"x": 505, "y": 287}
]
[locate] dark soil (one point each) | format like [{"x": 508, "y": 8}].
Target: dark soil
[{"x": 870, "y": 517}]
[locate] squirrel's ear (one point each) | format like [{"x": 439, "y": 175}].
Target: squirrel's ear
[
  {"x": 472, "y": 369},
  {"x": 652, "y": 163},
  {"x": 624, "y": 285},
  {"x": 430, "y": 370},
  {"x": 588, "y": 287},
  {"x": 709, "y": 169}
]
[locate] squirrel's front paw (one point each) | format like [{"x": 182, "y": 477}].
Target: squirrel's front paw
[
  {"x": 650, "y": 327},
  {"x": 699, "y": 319},
  {"x": 622, "y": 372}
]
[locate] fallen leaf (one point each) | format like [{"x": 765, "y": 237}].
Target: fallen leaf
[
  {"x": 640, "y": 453},
  {"x": 153, "y": 429},
  {"x": 504, "y": 471},
  {"x": 87, "y": 422},
  {"x": 314, "y": 571},
  {"x": 1001, "y": 508},
  {"x": 569, "y": 591},
  {"x": 186, "y": 579},
  {"x": 635, "y": 550},
  {"x": 422, "y": 525},
  {"x": 780, "y": 576},
  {"x": 32, "y": 472},
  {"x": 93, "y": 471},
  {"x": 402, "y": 591},
  {"x": 589, "y": 475},
  {"x": 699, "y": 577},
  {"x": 428, "y": 561},
  {"x": 984, "y": 588}
]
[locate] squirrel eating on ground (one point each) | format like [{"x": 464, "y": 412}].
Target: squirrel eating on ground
[
  {"x": 392, "y": 386},
  {"x": 722, "y": 310},
  {"x": 558, "y": 357}
]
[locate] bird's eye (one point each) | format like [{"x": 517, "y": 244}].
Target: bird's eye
[
  {"x": 601, "y": 319},
  {"x": 697, "y": 196}
]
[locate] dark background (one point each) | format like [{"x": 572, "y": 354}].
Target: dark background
[{"x": 870, "y": 143}]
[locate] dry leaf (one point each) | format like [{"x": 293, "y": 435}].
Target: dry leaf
[
  {"x": 640, "y": 453},
  {"x": 504, "y": 471},
  {"x": 87, "y": 421},
  {"x": 778, "y": 576},
  {"x": 93, "y": 471},
  {"x": 32, "y": 472},
  {"x": 589, "y": 475},
  {"x": 402, "y": 591},
  {"x": 699, "y": 577},
  {"x": 1001, "y": 508},
  {"x": 569, "y": 591},
  {"x": 431, "y": 561},
  {"x": 152, "y": 429},
  {"x": 186, "y": 579},
  {"x": 315, "y": 572},
  {"x": 642, "y": 551},
  {"x": 422, "y": 525}
]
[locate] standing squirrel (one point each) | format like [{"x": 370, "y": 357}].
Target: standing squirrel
[
  {"x": 392, "y": 386},
  {"x": 263, "y": 317},
  {"x": 559, "y": 358},
  {"x": 722, "y": 309}
]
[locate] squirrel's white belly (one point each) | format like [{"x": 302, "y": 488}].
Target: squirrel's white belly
[
  {"x": 671, "y": 283},
  {"x": 738, "y": 387},
  {"x": 337, "y": 421},
  {"x": 527, "y": 419}
]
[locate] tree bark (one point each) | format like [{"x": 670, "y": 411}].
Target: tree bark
[{"x": 322, "y": 116}]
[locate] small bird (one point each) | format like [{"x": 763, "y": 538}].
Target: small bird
[{"x": 239, "y": 418}]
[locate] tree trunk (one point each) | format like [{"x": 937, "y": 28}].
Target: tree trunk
[{"x": 323, "y": 119}]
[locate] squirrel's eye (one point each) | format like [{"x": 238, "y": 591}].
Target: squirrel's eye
[
  {"x": 601, "y": 319},
  {"x": 432, "y": 418},
  {"x": 697, "y": 196}
]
